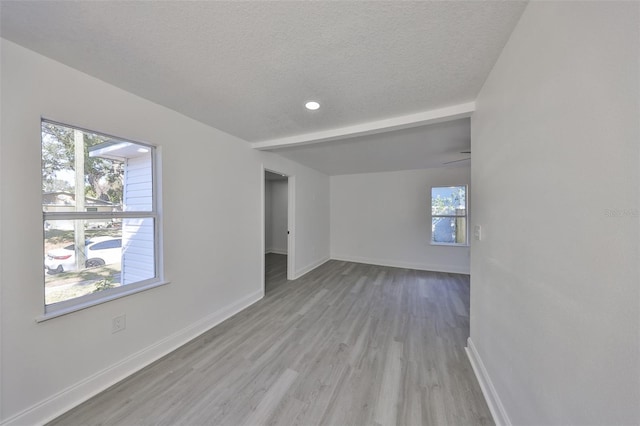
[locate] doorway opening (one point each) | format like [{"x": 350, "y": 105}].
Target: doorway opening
[{"x": 278, "y": 228}]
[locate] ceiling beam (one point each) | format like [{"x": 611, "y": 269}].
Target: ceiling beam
[{"x": 372, "y": 127}]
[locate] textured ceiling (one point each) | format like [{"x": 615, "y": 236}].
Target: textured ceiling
[
  {"x": 408, "y": 149},
  {"x": 247, "y": 67}
]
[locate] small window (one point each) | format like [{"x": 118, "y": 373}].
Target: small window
[
  {"x": 100, "y": 215},
  {"x": 449, "y": 215}
]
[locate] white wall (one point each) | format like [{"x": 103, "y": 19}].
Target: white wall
[
  {"x": 385, "y": 219},
  {"x": 213, "y": 237},
  {"x": 277, "y": 217},
  {"x": 555, "y": 282}
]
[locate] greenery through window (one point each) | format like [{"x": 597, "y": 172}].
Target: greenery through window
[
  {"x": 449, "y": 215},
  {"x": 99, "y": 215}
]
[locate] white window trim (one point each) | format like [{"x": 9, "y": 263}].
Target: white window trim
[
  {"x": 83, "y": 302},
  {"x": 103, "y": 297},
  {"x": 466, "y": 216}
]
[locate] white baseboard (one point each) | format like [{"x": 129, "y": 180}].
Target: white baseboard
[
  {"x": 310, "y": 267},
  {"x": 275, "y": 251},
  {"x": 399, "y": 264},
  {"x": 61, "y": 402},
  {"x": 500, "y": 416}
]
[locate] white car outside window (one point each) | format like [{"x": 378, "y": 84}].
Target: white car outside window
[{"x": 99, "y": 251}]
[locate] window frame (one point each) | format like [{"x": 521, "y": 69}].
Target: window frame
[
  {"x": 466, "y": 216},
  {"x": 82, "y": 302}
]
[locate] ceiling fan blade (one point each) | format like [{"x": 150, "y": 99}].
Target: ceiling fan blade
[{"x": 457, "y": 161}]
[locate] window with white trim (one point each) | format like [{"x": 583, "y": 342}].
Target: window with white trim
[
  {"x": 100, "y": 217},
  {"x": 449, "y": 215}
]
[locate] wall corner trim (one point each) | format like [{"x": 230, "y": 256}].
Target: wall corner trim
[
  {"x": 61, "y": 402},
  {"x": 500, "y": 416}
]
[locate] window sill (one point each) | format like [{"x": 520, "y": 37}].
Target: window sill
[
  {"x": 449, "y": 244},
  {"x": 80, "y": 306}
]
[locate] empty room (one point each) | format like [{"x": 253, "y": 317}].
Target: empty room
[{"x": 319, "y": 213}]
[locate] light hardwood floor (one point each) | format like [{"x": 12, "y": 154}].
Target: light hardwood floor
[{"x": 347, "y": 344}]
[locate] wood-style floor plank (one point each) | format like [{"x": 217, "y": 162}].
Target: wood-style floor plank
[{"x": 347, "y": 344}]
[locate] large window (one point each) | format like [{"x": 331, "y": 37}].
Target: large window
[
  {"x": 449, "y": 215},
  {"x": 100, "y": 216}
]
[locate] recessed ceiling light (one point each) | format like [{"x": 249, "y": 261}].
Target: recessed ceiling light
[
  {"x": 312, "y": 105},
  {"x": 143, "y": 150}
]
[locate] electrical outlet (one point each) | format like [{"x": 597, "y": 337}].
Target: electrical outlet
[{"x": 119, "y": 323}]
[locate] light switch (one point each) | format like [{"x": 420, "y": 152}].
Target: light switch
[{"x": 477, "y": 232}]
